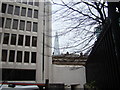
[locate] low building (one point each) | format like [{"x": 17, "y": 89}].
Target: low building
[
  {"x": 69, "y": 59},
  {"x": 69, "y": 69}
]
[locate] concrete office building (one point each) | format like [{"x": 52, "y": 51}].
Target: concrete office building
[{"x": 25, "y": 27}]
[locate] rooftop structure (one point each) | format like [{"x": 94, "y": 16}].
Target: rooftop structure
[{"x": 69, "y": 59}]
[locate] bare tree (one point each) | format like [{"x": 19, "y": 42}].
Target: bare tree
[{"x": 79, "y": 19}]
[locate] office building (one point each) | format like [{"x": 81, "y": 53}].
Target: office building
[{"x": 25, "y": 30}]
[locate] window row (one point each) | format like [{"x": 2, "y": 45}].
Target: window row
[
  {"x": 17, "y": 11},
  {"x": 19, "y": 56},
  {"x": 30, "y": 2},
  {"x": 20, "y": 41},
  {"x": 15, "y": 23}
]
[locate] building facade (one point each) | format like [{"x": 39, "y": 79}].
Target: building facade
[{"x": 25, "y": 27}]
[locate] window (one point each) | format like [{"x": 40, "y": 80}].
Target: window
[
  {"x": 23, "y": 11},
  {"x": 15, "y": 24},
  {"x": 4, "y": 55},
  {"x": 10, "y": 9},
  {"x": 27, "y": 40},
  {"x": 4, "y": 7},
  {"x": 22, "y": 25},
  {"x": 28, "y": 26},
  {"x": 13, "y": 39},
  {"x": 26, "y": 57},
  {"x": 29, "y": 12},
  {"x": 30, "y": 2},
  {"x": 12, "y": 56},
  {"x": 0, "y": 37},
  {"x": 19, "y": 56},
  {"x": 36, "y": 3},
  {"x": 34, "y": 41},
  {"x": 20, "y": 40},
  {"x": 33, "y": 57},
  {"x": 24, "y": 1},
  {"x": 1, "y": 21},
  {"x": 35, "y": 13},
  {"x": 17, "y": 10},
  {"x": 8, "y": 23},
  {"x": 6, "y": 38},
  {"x": 35, "y": 26}
]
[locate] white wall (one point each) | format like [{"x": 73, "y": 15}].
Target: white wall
[{"x": 69, "y": 75}]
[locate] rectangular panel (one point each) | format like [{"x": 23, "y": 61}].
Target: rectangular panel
[
  {"x": 11, "y": 56},
  {"x": 6, "y": 38},
  {"x": 4, "y": 55},
  {"x": 19, "y": 56}
]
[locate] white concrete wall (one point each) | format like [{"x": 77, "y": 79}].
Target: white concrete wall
[{"x": 69, "y": 75}]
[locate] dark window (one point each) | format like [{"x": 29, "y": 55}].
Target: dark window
[
  {"x": 1, "y": 21},
  {"x": 33, "y": 57},
  {"x": 0, "y": 37},
  {"x": 22, "y": 25},
  {"x": 17, "y": 10},
  {"x": 30, "y": 2},
  {"x": 10, "y": 9},
  {"x": 13, "y": 39},
  {"x": 27, "y": 40},
  {"x": 36, "y": 3},
  {"x": 28, "y": 26},
  {"x": 19, "y": 56},
  {"x": 26, "y": 57},
  {"x": 6, "y": 38},
  {"x": 12, "y": 56},
  {"x": 20, "y": 40},
  {"x": 24, "y": 1},
  {"x": 35, "y": 27},
  {"x": 35, "y": 13},
  {"x": 34, "y": 41},
  {"x": 29, "y": 14},
  {"x": 4, "y": 55},
  {"x": 23, "y": 11},
  {"x": 4, "y": 7},
  {"x": 15, "y": 24},
  {"x": 8, "y": 23}
]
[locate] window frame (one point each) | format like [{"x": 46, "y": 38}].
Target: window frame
[
  {"x": 34, "y": 43},
  {"x": 33, "y": 57},
  {"x": 12, "y": 56},
  {"x": 29, "y": 13},
  {"x": 9, "y": 9},
  {"x": 18, "y": 55},
  {"x": 23, "y": 11},
  {"x": 13, "y": 39},
  {"x": 6, "y": 55},
  {"x": 15, "y": 24},
  {"x": 35, "y": 27},
  {"x": 17, "y": 12},
  {"x": 8, "y": 23},
  {"x": 20, "y": 40},
  {"x": 6, "y": 38},
  {"x": 22, "y": 25}
]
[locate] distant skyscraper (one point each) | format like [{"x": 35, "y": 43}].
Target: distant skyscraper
[{"x": 56, "y": 45}]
